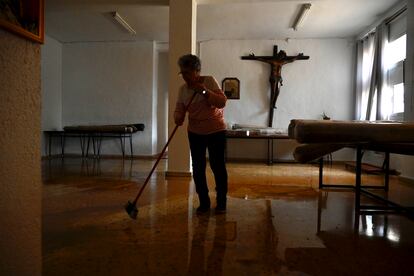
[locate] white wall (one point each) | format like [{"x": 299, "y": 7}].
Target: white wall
[
  {"x": 51, "y": 73},
  {"x": 51, "y": 64},
  {"x": 109, "y": 83},
  {"x": 324, "y": 83}
]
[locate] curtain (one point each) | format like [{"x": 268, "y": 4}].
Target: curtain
[
  {"x": 365, "y": 58},
  {"x": 371, "y": 75}
]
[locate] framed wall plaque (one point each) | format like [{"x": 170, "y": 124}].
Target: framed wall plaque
[
  {"x": 23, "y": 17},
  {"x": 231, "y": 88}
]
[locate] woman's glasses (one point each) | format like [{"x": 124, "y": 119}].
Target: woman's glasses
[{"x": 185, "y": 72}]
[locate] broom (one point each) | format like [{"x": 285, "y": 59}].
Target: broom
[{"x": 131, "y": 207}]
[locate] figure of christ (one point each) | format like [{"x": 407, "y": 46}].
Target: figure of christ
[
  {"x": 275, "y": 78},
  {"x": 276, "y": 62}
]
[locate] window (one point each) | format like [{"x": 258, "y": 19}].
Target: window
[
  {"x": 393, "y": 95},
  {"x": 380, "y": 79}
]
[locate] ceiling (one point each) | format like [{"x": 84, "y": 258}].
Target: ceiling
[{"x": 75, "y": 20}]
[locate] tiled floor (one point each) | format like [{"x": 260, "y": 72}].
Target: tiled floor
[{"x": 277, "y": 223}]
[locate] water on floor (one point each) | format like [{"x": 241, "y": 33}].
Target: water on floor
[{"x": 277, "y": 223}]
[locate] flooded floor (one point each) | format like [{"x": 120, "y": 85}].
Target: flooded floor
[{"x": 277, "y": 223}]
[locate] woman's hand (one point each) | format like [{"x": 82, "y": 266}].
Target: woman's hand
[{"x": 198, "y": 87}]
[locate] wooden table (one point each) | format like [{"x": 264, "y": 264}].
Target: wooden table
[{"x": 252, "y": 134}]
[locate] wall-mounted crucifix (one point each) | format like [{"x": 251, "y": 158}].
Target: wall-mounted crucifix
[{"x": 276, "y": 62}]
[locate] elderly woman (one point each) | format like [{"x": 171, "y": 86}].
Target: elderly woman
[{"x": 206, "y": 129}]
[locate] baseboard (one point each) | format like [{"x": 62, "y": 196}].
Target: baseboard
[
  {"x": 286, "y": 161},
  {"x": 103, "y": 156},
  {"x": 257, "y": 160},
  {"x": 48, "y": 157},
  {"x": 127, "y": 156},
  {"x": 177, "y": 174},
  {"x": 334, "y": 162},
  {"x": 407, "y": 180}
]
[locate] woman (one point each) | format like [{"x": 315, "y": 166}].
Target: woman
[{"x": 206, "y": 129}]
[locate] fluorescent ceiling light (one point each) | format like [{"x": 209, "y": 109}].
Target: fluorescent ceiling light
[
  {"x": 123, "y": 23},
  {"x": 301, "y": 16}
]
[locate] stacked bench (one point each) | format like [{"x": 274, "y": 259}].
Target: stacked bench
[
  {"x": 319, "y": 138},
  {"x": 94, "y": 134}
]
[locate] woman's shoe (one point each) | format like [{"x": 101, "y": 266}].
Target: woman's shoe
[
  {"x": 220, "y": 209},
  {"x": 204, "y": 204},
  {"x": 203, "y": 209}
]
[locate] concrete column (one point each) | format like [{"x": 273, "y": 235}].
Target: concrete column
[
  {"x": 20, "y": 181},
  {"x": 182, "y": 38}
]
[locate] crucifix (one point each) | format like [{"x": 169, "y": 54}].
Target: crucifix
[{"x": 276, "y": 62}]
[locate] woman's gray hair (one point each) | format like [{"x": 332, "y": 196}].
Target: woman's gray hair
[{"x": 190, "y": 61}]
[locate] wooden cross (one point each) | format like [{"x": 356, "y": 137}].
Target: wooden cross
[{"x": 276, "y": 62}]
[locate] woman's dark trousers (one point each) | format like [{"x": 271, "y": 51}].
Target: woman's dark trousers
[{"x": 215, "y": 143}]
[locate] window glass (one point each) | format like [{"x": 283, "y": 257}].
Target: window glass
[
  {"x": 393, "y": 95},
  {"x": 398, "y": 99},
  {"x": 395, "y": 51}
]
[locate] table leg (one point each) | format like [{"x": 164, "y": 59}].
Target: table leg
[
  {"x": 99, "y": 142},
  {"x": 122, "y": 145},
  {"x": 387, "y": 171},
  {"x": 358, "y": 171},
  {"x": 320, "y": 173},
  {"x": 130, "y": 146},
  {"x": 50, "y": 144},
  {"x": 64, "y": 144},
  {"x": 271, "y": 151},
  {"x": 87, "y": 146},
  {"x": 269, "y": 162}
]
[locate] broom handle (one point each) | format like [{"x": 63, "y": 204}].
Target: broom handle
[{"x": 161, "y": 154}]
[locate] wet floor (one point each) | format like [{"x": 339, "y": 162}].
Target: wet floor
[{"x": 277, "y": 223}]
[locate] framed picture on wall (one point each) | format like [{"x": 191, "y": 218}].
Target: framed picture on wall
[
  {"x": 231, "y": 88},
  {"x": 23, "y": 17}
]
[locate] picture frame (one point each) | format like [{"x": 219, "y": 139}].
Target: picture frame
[
  {"x": 231, "y": 88},
  {"x": 24, "y": 18}
]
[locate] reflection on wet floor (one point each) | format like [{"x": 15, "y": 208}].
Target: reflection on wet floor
[{"x": 277, "y": 223}]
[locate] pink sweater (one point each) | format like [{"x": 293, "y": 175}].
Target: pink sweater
[{"x": 205, "y": 114}]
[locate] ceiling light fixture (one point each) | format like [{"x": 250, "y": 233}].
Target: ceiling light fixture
[
  {"x": 304, "y": 10},
  {"x": 123, "y": 23}
]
